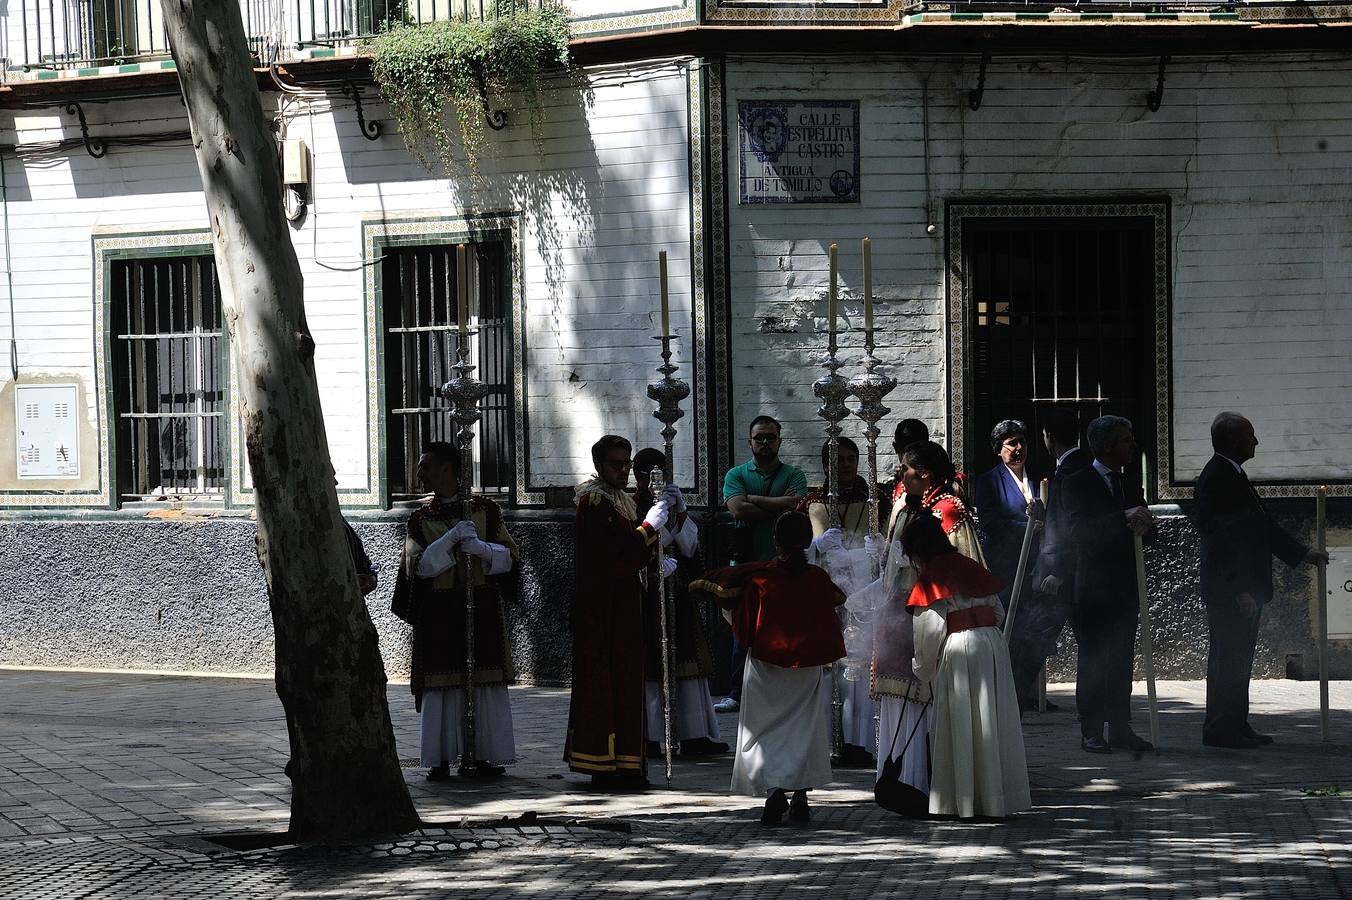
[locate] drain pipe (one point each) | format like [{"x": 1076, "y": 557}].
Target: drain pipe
[{"x": 9, "y": 275}]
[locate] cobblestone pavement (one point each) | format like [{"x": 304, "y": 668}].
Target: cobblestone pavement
[{"x": 120, "y": 786}]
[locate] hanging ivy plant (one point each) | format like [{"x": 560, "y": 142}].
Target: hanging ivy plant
[{"x": 422, "y": 70}]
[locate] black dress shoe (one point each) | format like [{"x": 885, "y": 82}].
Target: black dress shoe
[
  {"x": 798, "y": 811},
  {"x": 1094, "y": 743},
  {"x": 482, "y": 769},
  {"x": 1231, "y": 741},
  {"x": 1262, "y": 739},
  {"x": 1126, "y": 739},
  {"x": 439, "y": 773},
  {"x": 775, "y": 805},
  {"x": 1031, "y": 706},
  {"x": 702, "y": 746}
]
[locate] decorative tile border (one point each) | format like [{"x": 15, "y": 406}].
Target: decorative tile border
[
  {"x": 683, "y": 13},
  {"x": 699, "y": 298},
  {"x": 957, "y": 316},
  {"x": 378, "y": 230},
  {"x": 721, "y": 424},
  {"x": 800, "y": 12},
  {"x": 1068, "y": 18}
]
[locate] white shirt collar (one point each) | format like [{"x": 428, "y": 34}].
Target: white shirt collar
[
  {"x": 1238, "y": 466},
  {"x": 1062, "y": 458}
]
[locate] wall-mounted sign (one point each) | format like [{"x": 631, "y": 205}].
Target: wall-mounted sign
[
  {"x": 47, "y": 425},
  {"x": 1340, "y": 592},
  {"x": 798, "y": 151}
]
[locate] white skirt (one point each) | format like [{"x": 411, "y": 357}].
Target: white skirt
[
  {"x": 979, "y": 764},
  {"x": 443, "y": 725},
  {"x": 692, "y": 710},
  {"x": 900, "y": 719},
  {"x": 784, "y": 731}
]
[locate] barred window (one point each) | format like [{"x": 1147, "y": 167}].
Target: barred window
[
  {"x": 419, "y": 308},
  {"x": 1060, "y": 313},
  {"x": 168, "y": 377}
]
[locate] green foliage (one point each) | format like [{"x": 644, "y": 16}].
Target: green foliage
[
  {"x": 423, "y": 69},
  {"x": 1331, "y": 790}
]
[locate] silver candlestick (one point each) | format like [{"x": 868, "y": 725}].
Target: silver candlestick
[
  {"x": 464, "y": 391},
  {"x": 668, "y": 392},
  {"x": 832, "y": 388},
  {"x": 869, "y": 388}
]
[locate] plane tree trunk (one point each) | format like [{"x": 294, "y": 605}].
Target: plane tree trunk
[{"x": 344, "y": 770}]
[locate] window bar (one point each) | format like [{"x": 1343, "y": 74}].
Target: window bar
[
  {"x": 407, "y": 279},
  {"x": 150, "y": 28},
  {"x": 300, "y": 33},
  {"x": 23, "y": 24},
  {"x": 142, "y": 382},
  {"x": 51, "y": 25},
  {"x": 190, "y": 284}
]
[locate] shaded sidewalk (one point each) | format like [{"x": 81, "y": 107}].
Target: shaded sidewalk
[{"x": 111, "y": 784}]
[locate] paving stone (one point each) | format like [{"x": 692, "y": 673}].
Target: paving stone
[{"x": 125, "y": 776}]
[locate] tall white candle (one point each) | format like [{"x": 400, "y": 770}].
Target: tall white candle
[
  {"x": 461, "y": 289},
  {"x": 831, "y": 306},
  {"x": 662, "y": 283},
  {"x": 868, "y": 285}
]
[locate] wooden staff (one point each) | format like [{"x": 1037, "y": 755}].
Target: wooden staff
[
  {"x": 1147, "y": 645},
  {"x": 1321, "y": 589},
  {"x": 1043, "y": 495},
  {"x": 1019, "y": 573}
]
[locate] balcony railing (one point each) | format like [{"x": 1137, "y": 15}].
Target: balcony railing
[{"x": 66, "y": 34}]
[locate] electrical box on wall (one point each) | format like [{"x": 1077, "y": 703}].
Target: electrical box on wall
[
  {"x": 48, "y": 430},
  {"x": 295, "y": 162}
]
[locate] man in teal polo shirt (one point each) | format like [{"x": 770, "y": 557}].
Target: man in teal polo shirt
[{"x": 757, "y": 493}]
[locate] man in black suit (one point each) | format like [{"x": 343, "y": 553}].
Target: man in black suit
[
  {"x": 1239, "y": 540},
  {"x": 1102, "y": 516},
  {"x": 1038, "y": 624}
]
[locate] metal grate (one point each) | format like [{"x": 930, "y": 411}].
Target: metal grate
[
  {"x": 168, "y": 376},
  {"x": 418, "y": 302},
  {"x": 1059, "y": 311}
]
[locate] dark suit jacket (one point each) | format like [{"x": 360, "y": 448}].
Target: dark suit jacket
[
  {"x": 1003, "y": 514},
  {"x": 1104, "y": 551},
  {"x": 1239, "y": 539},
  {"x": 1055, "y": 556}
]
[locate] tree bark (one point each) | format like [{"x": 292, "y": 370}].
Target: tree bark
[{"x": 344, "y": 770}]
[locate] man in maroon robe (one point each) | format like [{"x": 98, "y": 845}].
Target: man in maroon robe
[{"x": 613, "y": 544}]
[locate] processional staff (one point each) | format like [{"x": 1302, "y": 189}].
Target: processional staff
[
  {"x": 832, "y": 388},
  {"x": 668, "y": 392},
  {"x": 869, "y": 388},
  {"x": 464, "y": 392}
]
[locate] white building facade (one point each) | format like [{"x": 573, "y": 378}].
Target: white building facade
[{"x": 1141, "y": 216}]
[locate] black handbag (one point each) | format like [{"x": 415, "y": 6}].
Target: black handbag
[{"x": 889, "y": 791}]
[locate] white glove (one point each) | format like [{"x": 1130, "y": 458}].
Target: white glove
[
  {"x": 873, "y": 546},
  {"x": 462, "y": 530},
  {"x": 674, "y": 498},
  {"x": 475, "y": 547},
  {"x": 657, "y": 516},
  {"x": 668, "y": 566},
  {"x": 831, "y": 540}
]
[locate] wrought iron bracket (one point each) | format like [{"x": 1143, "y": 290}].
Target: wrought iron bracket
[
  {"x": 496, "y": 118},
  {"x": 93, "y": 146},
  {"x": 1156, "y": 97},
  {"x": 369, "y": 130},
  {"x": 974, "y": 95}
]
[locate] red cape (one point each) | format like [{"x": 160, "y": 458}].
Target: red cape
[{"x": 949, "y": 575}]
